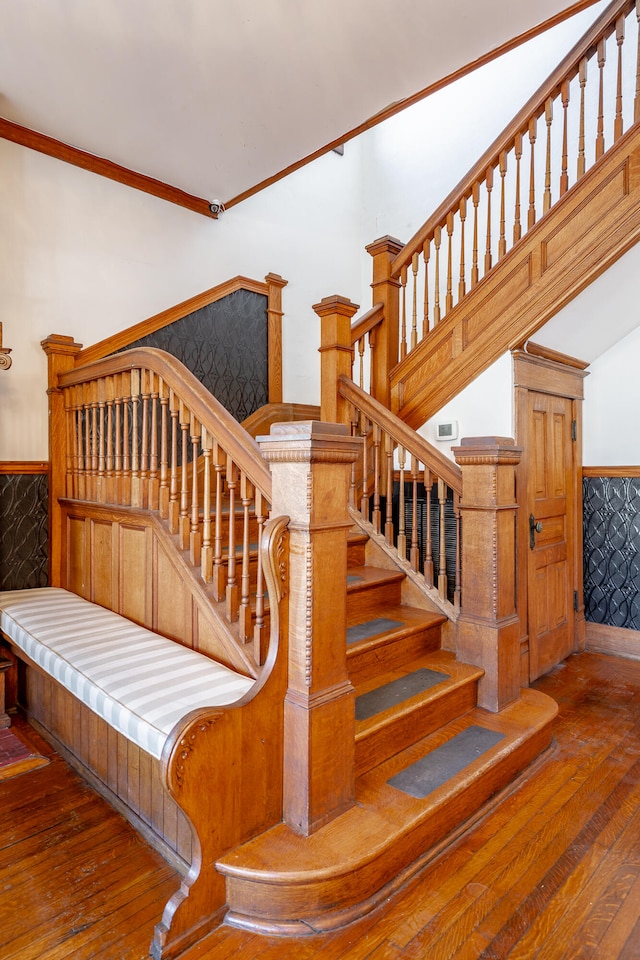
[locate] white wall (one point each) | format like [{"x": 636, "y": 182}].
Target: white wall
[
  {"x": 612, "y": 402},
  {"x": 86, "y": 257}
]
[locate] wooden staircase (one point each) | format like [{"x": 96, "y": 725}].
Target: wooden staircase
[{"x": 414, "y": 704}]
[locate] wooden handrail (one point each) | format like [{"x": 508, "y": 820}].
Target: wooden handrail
[
  {"x": 212, "y": 415},
  {"x": 534, "y": 107},
  {"x": 367, "y": 322},
  {"x": 412, "y": 442}
]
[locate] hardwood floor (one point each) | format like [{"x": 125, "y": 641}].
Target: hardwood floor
[{"x": 553, "y": 872}]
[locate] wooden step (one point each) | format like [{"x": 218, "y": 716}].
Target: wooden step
[
  {"x": 370, "y": 590},
  {"x": 386, "y": 729},
  {"x": 356, "y": 545},
  {"x": 284, "y": 883},
  {"x": 401, "y": 633}
]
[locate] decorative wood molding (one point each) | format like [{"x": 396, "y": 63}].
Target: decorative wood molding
[
  {"x": 103, "y": 167},
  {"x": 633, "y": 471},
  {"x": 615, "y": 641},
  {"x": 23, "y": 466},
  {"x": 537, "y": 350},
  {"x": 124, "y": 337}
]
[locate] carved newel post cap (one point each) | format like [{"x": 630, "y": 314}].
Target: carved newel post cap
[{"x": 487, "y": 450}]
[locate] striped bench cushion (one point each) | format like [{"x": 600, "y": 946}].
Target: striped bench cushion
[{"x": 139, "y": 682}]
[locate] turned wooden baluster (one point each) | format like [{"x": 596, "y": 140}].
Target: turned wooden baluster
[
  {"x": 244, "y": 612},
  {"x": 475, "y": 197},
  {"x": 70, "y": 431},
  {"x": 414, "y": 552},
  {"x": 163, "y": 492},
  {"x": 533, "y": 133},
  {"x": 602, "y": 57},
  {"x": 502, "y": 240},
  {"x": 462, "y": 282},
  {"x": 449, "y": 299},
  {"x": 126, "y": 438},
  {"x": 442, "y": 560},
  {"x": 548, "y": 114},
  {"x": 174, "y": 482},
  {"x": 618, "y": 125},
  {"x": 118, "y": 440},
  {"x": 365, "y": 434},
  {"x": 136, "y": 492},
  {"x": 353, "y": 426},
  {"x": 184, "y": 524},
  {"x": 426, "y": 252},
  {"x": 376, "y": 516},
  {"x": 487, "y": 254},
  {"x": 232, "y": 582},
  {"x": 93, "y": 485},
  {"x": 218, "y": 578},
  {"x": 403, "y": 326},
  {"x": 388, "y": 523},
  {"x": 195, "y": 536},
  {"x": 153, "y": 485},
  {"x": 517, "y": 225},
  {"x": 437, "y": 239},
  {"x": 564, "y": 176},
  {"x": 260, "y": 633},
  {"x": 145, "y": 396},
  {"x": 582, "y": 78},
  {"x": 401, "y": 546},
  {"x": 110, "y": 492},
  {"x": 79, "y": 456},
  {"x": 101, "y": 492},
  {"x": 428, "y": 547},
  {"x": 361, "y": 345},
  {"x": 206, "y": 553},
  {"x": 415, "y": 260}
]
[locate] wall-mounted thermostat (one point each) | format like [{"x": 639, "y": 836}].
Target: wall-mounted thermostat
[{"x": 447, "y": 431}]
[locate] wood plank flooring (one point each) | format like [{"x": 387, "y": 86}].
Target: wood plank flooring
[{"x": 553, "y": 872}]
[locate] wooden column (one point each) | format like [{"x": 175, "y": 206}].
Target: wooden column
[
  {"x": 336, "y": 355},
  {"x": 311, "y": 468},
  {"x": 61, "y": 352},
  {"x": 489, "y": 627},
  {"x": 386, "y": 290},
  {"x": 275, "y": 283}
]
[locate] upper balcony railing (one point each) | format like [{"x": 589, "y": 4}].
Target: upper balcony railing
[{"x": 582, "y": 109}]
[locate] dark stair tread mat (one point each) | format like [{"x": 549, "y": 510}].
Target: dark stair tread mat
[
  {"x": 362, "y": 631},
  {"x": 396, "y": 691},
  {"x": 354, "y": 578},
  {"x": 443, "y": 763}
]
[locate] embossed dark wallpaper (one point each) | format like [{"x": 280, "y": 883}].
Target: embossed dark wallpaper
[
  {"x": 23, "y": 531},
  {"x": 225, "y": 346},
  {"x": 612, "y": 551}
]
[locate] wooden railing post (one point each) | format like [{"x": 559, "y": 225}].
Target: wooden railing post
[
  {"x": 386, "y": 290},
  {"x": 275, "y": 284},
  {"x": 311, "y": 469},
  {"x": 336, "y": 355},
  {"x": 61, "y": 352},
  {"x": 488, "y": 626}
]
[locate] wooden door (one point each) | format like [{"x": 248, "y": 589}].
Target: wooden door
[{"x": 551, "y": 531}]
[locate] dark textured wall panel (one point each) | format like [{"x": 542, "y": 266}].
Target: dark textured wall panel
[
  {"x": 225, "y": 346},
  {"x": 23, "y": 531},
  {"x": 612, "y": 551}
]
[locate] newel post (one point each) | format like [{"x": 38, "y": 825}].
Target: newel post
[
  {"x": 336, "y": 355},
  {"x": 275, "y": 285},
  {"x": 61, "y": 352},
  {"x": 386, "y": 290},
  {"x": 488, "y": 626},
  {"x": 311, "y": 469}
]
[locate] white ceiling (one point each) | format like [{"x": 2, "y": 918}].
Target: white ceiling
[{"x": 215, "y": 96}]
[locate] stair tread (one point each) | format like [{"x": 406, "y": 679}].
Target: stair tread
[
  {"x": 361, "y": 577},
  {"x": 381, "y": 812},
  {"x": 454, "y": 674},
  {"x": 408, "y": 619}
]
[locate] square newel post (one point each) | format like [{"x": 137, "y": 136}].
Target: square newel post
[
  {"x": 61, "y": 352},
  {"x": 386, "y": 290},
  {"x": 488, "y": 626},
  {"x": 311, "y": 469},
  {"x": 336, "y": 355}
]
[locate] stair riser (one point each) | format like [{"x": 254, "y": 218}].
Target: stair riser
[
  {"x": 365, "y": 664},
  {"x": 402, "y": 730},
  {"x": 355, "y": 555},
  {"x": 326, "y": 903},
  {"x": 368, "y": 600}
]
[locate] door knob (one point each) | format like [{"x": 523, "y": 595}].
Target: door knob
[{"x": 535, "y": 526}]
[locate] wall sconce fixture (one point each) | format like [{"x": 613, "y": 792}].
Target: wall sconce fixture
[{"x": 5, "y": 359}]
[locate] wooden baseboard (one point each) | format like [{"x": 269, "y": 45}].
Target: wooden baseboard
[{"x": 615, "y": 641}]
